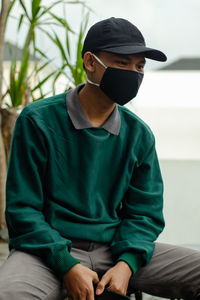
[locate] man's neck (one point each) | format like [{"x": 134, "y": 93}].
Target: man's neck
[{"x": 95, "y": 104}]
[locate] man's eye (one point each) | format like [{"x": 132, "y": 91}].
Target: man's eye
[
  {"x": 141, "y": 67},
  {"x": 121, "y": 62}
]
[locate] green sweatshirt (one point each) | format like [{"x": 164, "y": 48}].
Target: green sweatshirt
[{"x": 65, "y": 183}]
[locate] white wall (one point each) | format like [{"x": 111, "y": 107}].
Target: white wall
[
  {"x": 177, "y": 130},
  {"x": 169, "y": 102},
  {"x": 181, "y": 201}
]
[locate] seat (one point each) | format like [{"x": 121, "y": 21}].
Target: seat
[{"x": 138, "y": 295}]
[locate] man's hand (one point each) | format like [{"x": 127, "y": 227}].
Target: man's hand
[
  {"x": 79, "y": 283},
  {"x": 117, "y": 279}
]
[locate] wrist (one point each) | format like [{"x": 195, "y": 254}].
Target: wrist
[
  {"x": 73, "y": 269},
  {"x": 134, "y": 260},
  {"x": 125, "y": 266}
]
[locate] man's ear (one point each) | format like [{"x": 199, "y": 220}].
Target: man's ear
[{"x": 89, "y": 62}]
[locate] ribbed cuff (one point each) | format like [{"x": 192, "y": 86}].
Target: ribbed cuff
[
  {"x": 132, "y": 259},
  {"x": 62, "y": 261}
]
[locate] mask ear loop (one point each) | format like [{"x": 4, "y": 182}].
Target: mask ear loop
[
  {"x": 91, "y": 82},
  {"x": 101, "y": 63}
]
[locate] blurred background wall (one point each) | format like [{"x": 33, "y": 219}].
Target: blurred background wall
[{"x": 169, "y": 102}]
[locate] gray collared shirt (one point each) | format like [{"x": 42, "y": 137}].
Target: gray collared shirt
[{"x": 79, "y": 119}]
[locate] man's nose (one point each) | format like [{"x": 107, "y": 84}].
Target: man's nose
[{"x": 133, "y": 67}]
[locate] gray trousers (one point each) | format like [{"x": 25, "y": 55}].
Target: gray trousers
[{"x": 173, "y": 272}]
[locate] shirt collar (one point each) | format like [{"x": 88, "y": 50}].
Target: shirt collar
[{"x": 79, "y": 119}]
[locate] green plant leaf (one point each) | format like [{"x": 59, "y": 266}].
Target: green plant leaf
[
  {"x": 61, "y": 48},
  {"x": 40, "y": 52},
  {"x": 40, "y": 17},
  {"x": 17, "y": 81},
  {"x": 42, "y": 96},
  {"x": 48, "y": 23},
  {"x": 10, "y": 8},
  {"x": 23, "y": 71},
  {"x": 76, "y": 2},
  {"x": 12, "y": 89},
  {"x": 43, "y": 81},
  {"x": 24, "y": 8},
  {"x": 35, "y": 8},
  {"x": 47, "y": 9},
  {"x": 79, "y": 73},
  {"x": 81, "y": 3},
  {"x": 20, "y": 21},
  {"x": 61, "y": 72},
  {"x": 61, "y": 21},
  {"x": 58, "y": 43},
  {"x": 68, "y": 43},
  {"x": 43, "y": 66}
]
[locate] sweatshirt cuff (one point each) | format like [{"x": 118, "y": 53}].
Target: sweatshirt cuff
[
  {"x": 62, "y": 261},
  {"x": 134, "y": 260}
]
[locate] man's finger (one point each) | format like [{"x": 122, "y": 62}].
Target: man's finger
[
  {"x": 101, "y": 285},
  {"x": 95, "y": 278},
  {"x": 90, "y": 295}
]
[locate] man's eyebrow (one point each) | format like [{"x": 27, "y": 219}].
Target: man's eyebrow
[
  {"x": 125, "y": 56},
  {"x": 143, "y": 61},
  {"x": 128, "y": 57}
]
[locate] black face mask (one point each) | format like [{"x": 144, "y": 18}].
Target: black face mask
[{"x": 118, "y": 84}]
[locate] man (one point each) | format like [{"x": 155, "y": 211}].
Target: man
[{"x": 84, "y": 189}]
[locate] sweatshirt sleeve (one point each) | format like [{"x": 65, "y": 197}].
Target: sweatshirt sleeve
[
  {"x": 142, "y": 216},
  {"x": 25, "y": 199}
]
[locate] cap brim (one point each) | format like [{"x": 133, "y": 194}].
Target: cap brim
[{"x": 148, "y": 52}]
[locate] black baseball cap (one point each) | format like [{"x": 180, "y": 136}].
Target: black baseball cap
[{"x": 119, "y": 36}]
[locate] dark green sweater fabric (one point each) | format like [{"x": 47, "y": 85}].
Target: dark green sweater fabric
[{"x": 89, "y": 184}]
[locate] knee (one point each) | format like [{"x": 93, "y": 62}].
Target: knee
[{"x": 18, "y": 289}]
